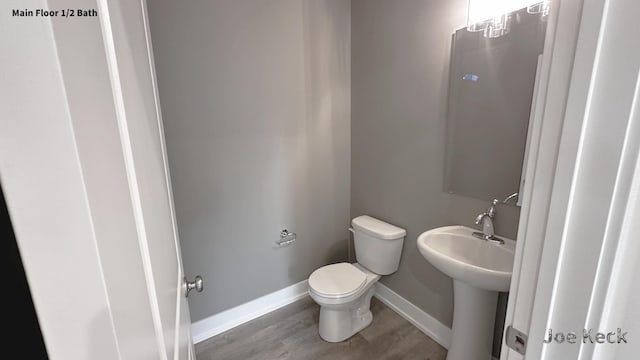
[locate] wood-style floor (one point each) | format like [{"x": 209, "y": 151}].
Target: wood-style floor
[{"x": 292, "y": 333}]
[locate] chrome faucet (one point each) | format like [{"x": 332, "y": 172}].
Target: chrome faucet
[{"x": 486, "y": 218}]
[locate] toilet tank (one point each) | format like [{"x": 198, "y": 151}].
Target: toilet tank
[{"x": 378, "y": 244}]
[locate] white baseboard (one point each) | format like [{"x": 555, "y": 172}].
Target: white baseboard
[
  {"x": 228, "y": 319},
  {"x": 420, "y": 319}
]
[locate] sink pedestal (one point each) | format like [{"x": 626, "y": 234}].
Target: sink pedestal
[
  {"x": 480, "y": 270},
  {"x": 474, "y": 314}
]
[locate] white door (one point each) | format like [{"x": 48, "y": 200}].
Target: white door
[
  {"x": 128, "y": 46},
  {"x": 84, "y": 170}
]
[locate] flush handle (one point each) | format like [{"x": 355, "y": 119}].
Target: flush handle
[{"x": 197, "y": 284}]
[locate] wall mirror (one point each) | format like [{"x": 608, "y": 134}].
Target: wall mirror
[{"x": 491, "y": 85}]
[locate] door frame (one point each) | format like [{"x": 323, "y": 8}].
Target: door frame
[
  {"x": 548, "y": 110},
  {"x": 575, "y": 226}
]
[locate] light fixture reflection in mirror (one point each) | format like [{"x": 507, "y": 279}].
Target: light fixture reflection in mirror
[
  {"x": 541, "y": 8},
  {"x": 498, "y": 26},
  {"x": 493, "y": 17}
]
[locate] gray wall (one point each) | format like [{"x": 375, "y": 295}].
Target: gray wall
[
  {"x": 400, "y": 59},
  {"x": 256, "y": 104}
]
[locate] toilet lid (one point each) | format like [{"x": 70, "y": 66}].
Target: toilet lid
[{"x": 337, "y": 280}]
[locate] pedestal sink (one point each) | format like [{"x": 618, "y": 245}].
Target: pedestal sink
[{"x": 480, "y": 270}]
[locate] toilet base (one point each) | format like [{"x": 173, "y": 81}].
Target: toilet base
[{"x": 340, "y": 322}]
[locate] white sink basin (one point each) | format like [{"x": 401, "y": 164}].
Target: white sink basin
[
  {"x": 480, "y": 269},
  {"x": 479, "y": 263}
]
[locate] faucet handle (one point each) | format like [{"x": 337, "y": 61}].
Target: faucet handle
[
  {"x": 492, "y": 209},
  {"x": 510, "y": 197}
]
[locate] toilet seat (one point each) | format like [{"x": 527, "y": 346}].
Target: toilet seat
[{"x": 337, "y": 280}]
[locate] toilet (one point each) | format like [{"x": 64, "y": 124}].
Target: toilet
[{"x": 344, "y": 290}]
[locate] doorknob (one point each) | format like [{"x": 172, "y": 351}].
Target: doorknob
[{"x": 197, "y": 284}]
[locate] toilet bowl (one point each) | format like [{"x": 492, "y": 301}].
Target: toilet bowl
[
  {"x": 344, "y": 290},
  {"x": 344, "y": 293}
]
